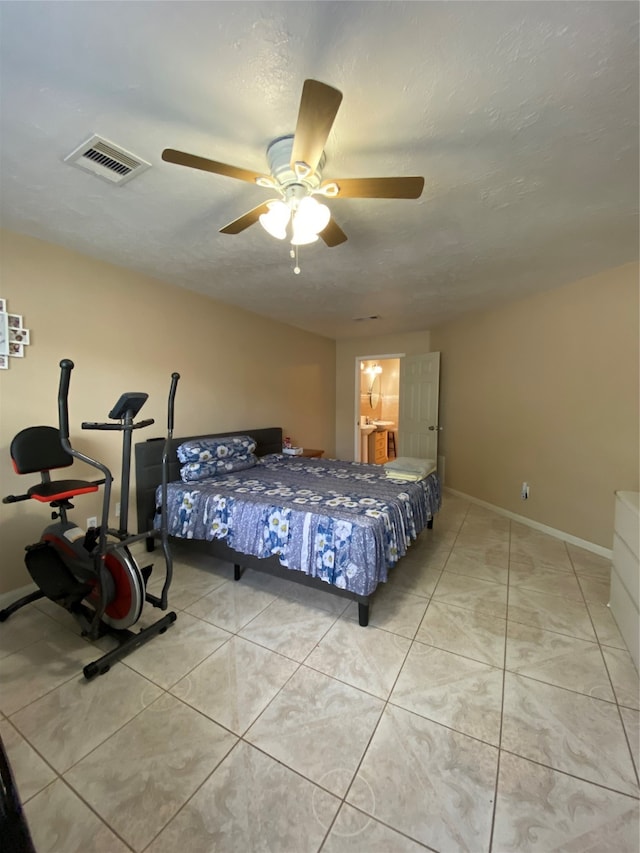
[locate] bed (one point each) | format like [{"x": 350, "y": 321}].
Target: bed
[{"x": 339, "y": 526}]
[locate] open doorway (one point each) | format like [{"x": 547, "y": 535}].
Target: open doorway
[
  {"x": 396, "y": 407},
  {"x": 377, "y": 408}
]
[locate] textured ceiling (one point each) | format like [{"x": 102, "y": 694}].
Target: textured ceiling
[{"x": 522, "y": 117}]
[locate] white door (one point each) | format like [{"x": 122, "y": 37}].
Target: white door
[{"x": 418, "y": 422}]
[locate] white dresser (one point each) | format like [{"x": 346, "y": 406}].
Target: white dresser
[{"x": 624, "y": 595}]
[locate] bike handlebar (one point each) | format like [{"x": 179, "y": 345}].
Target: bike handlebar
[
  {"x": 12, "y": 499},
  {"x": 66, "y": 366},
  {"x": 172, "y": 397}
]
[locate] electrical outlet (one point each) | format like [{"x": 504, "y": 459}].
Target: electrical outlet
[
  {"x": 92, "y": 522},
  {"x": 524, "y": 491},
  {"x": 118, "y": 510}
]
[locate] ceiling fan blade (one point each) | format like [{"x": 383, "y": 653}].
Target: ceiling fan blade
[
  {"x": 377, "y": 187},
  {"x": 181, "y": 158},
  {"x": 333, "y": 235},
  {"x": 246, "y": 220},
  {"x": 318, "y": 108}
]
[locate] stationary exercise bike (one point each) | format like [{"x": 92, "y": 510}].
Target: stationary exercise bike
[{"x": 92, "y": 574}]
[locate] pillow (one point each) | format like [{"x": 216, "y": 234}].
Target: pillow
[
  {"x": 194, "y": 471},
  {"x": 210, "y": 449}
]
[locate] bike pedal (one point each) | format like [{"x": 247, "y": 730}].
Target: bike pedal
[{"x": 91, "y": 539}]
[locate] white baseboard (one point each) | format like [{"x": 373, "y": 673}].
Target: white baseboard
[
  {"x": 7, "y": 598},
  {"x": 536, "y": 525}
]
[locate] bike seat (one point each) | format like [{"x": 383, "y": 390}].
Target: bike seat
[
  {"x": 58, "y": 490},
  {"x": 39, "y": 450}
]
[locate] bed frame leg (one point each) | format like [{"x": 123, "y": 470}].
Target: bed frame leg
[
  {"x": 363, "y": 610},
  {"x": 237, "y": 572},
  {"x": 430, "y": 524}
]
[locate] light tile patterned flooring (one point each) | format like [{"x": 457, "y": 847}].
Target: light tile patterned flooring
[{"x": 491, "y": 705}]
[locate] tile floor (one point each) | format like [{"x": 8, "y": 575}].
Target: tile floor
[{"x": 490, "y": 706}]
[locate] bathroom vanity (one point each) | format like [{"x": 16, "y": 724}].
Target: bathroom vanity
[{"x": 377, "y": 450}]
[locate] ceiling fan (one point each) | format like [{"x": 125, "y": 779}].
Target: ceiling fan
[{"x": 296, "y": 163}]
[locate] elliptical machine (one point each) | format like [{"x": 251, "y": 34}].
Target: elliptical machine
[{"x": 91, "y": 574}]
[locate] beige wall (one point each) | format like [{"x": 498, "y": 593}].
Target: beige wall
[
  {"x": 128, "y": 332},
  {"x": 545, "y": 390},
  {"x": 348, "y": 377}
]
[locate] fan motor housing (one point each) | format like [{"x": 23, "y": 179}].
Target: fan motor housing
[{"x": 279, "y": 159}]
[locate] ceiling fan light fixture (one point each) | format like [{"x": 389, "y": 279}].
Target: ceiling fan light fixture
[
  {"x": 276, "y": 220},
  {"x": 301, "y": 237},
  {"x": 315, "y": 215},
  {"x": 309, "y": 220}
]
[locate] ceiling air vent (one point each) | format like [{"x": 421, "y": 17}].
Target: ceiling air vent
[{"x": 106, "y": 160}]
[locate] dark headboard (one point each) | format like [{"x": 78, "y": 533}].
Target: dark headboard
[{"x": 148, "y": 456}]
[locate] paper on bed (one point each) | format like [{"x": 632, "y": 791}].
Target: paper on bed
[{"x": 409, "y": 468}]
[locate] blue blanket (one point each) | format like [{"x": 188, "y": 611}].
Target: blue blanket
[{"x": 347, "y": 523}]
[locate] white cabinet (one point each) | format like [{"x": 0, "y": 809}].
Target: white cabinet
[{"x": 624, "y": 595}]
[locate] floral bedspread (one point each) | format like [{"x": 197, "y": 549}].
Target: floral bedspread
[{"x": 343, "y": 522}]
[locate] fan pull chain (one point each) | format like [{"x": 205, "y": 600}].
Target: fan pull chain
[{"x": 294, "y": 254}]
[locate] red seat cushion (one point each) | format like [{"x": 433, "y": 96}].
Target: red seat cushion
[{"x": 57, "y": 490}]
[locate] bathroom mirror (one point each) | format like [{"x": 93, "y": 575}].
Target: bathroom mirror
[{"x": 374, "y": 392}]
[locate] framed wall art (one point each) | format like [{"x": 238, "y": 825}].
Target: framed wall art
[
  {"x": 4, "y": 333},
  {"x": 13, "y": 336}
]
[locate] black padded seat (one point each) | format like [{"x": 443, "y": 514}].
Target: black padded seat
[{"x": 39, "y": 450}]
